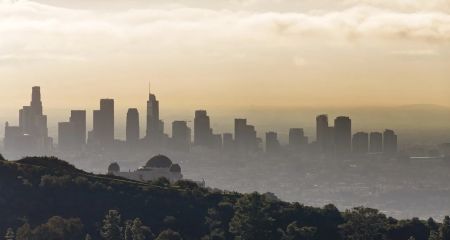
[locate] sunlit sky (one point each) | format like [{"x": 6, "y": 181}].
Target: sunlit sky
[{"x": 225, "y": 54}]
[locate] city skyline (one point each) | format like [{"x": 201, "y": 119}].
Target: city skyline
[{"x": 308, "y": 53}]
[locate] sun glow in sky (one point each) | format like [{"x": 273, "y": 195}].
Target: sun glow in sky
[{"x": 225, "y": 54}]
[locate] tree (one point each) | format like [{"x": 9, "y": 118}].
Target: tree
[
  {"x": 138, "y": 230},
  {"x": 445, "y": 229},
  {"x": 364, "y": 224},
  {"x": 9, "y": 233},
  {"x": 111, "y": 229},
  {"x": 169, "y": 235},
  {"x": 296, "y": 232},
  {"x": 1, "y": 157},
  {"x": 88, "y": 237},
  {"x": 252, "y": 219},
  {"x": 23, "y": 232},
  {"x": 434, "y": 235},
  {"x": 128, "y": 234}
]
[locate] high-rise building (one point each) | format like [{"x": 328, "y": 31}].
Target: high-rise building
[
  {"x": 322, "y": 132},
  {"x": 78, "y": 120},
  {"x": 245, "y": 139},
  {"x": 103, "y": 131},
  {"x": 360, "y": 143},
  {"x": 297, "y": 138},
  {"x": 390, "y": 144},
  {"x": 376, "y": 142},
  {"x": 272, "y": 143},
  {"x": 72, "y": 134},
  {"x": 155, "y": 127},
  {"x": 132, "y": 126},
  {"x": 32, "y": 132},
  {"x": 202, "y": 129},
  {"x": 228, "y": 142},
  {"x": 181, "y": 136},
  {"x": 342, "y": 136}
]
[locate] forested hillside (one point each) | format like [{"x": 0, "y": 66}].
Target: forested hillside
[{"x": 47, "y": 198}]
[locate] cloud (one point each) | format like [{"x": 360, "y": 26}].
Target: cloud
[{"x": 30, "y": 30}]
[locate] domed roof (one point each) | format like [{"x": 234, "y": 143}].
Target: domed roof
[
  {"x": 159, "y": 161},
  {"x": 114, "y": 167},
  {"x": 175, "y": 168}
]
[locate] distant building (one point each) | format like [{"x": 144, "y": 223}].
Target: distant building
[
  {"x": 155, "y": 127},
  {"x": 181, "y": 136},
  {"x": 103, "y": 130},
  {"x": 272, "y": 143},
  {"x": 390, "y": 144},
  {"x": 157, "y": 167},
  {"x": 132, "y": 126},
  {"x": 376, "y": 142},
  {"x": 228, "y": 142},
  {"x": 245, "y": 138},
  {"x": 342, "y": 136},
  {"x": 360, "y": 143},
  {"x": 297, "y": 139},
  {"x": 31, "y": 136},
  {"x": 202, "y": 129},
  {"x": 78, "y": 120},
  {"x": 322, "y": 132}
]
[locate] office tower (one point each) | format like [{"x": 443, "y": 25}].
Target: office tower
[
  {"x": 78, "y": 120},
  {"x": 32, "y": 132},
  {"x": 155, "y": 127},
  {"x": 181, "y": 136},
  {"x": 245, "y": 138},
  {"x": 132, "y": 126},
  {"x": 342, "y": 136},
  {"x": 228, "y": 143},
  {"x": 297, "y": 138},
  {"x": 272, "y": 143},
  {"x": 202, "y": 129},
  {"x": 322, "y": 132},
  {"x": 390, "y": 144},
  {"x": 360, "y": 143},
  {"x": 216, "y": 141},
  {"x": 72, "y": 134},
  {"x": 103, "y": 131},
  {"x": 376, "y": 142},
  {"x": 66, "y": 136}
]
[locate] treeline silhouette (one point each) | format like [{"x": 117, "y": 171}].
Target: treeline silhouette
[{"x": 49, "y": 199}]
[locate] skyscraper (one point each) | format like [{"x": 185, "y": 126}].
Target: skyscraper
[
  {"x": 376, "y": 142},
  {"x": 78, "y": 120},
  {"x": 297, "y": 138},
  {"x": 228, "y": 143},
  {"x": 155, "y": 127},
  {"x": 245, "y": 139},
  {"x": 103, "y": 131},
  {"x": 33, "y": 137},
  {"x": 202, "y": 129},
  {"x": 272, "y": 143},
  {"x": 132, "y": 126},
  {"x": 390, "y": 144},
  {"x": 360, "y": 143},
  {"x": 342, "y": 136},
  {"x": 181, "y": 136},
  {"x": 72, "y": 134},
  {"x": 322, "y": 132}
]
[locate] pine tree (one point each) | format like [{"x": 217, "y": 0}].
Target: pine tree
[
  {"x": 23, "y": 232},
  {"x": 128, "y": 234},
  {"x": 111, "y": 229},
  {"x": 445, "y": 229},
  {"x": 10, "y": 234},
  {"x": 138, "y": 230}
]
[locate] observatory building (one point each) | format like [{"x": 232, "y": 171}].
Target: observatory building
[{"x": 157, "y": 167}]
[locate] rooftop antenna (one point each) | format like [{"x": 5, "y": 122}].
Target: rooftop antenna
[{"x": 149, "y": 88}]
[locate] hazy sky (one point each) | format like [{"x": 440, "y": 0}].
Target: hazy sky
[{"x": 225, "y": 54}]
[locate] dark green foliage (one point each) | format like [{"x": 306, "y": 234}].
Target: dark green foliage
[
  {"x": 169, "y": 235},
  {"x": 111, "y": 229},
  {"x": 252, "y": 219},
  {"x": 10, "y": 235},
  {"x": 34, "y": 190},
  {"x": 364, "y": 224},
  {"x": 2, "y": 158},
  {"x": 445, "y": 229}
]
